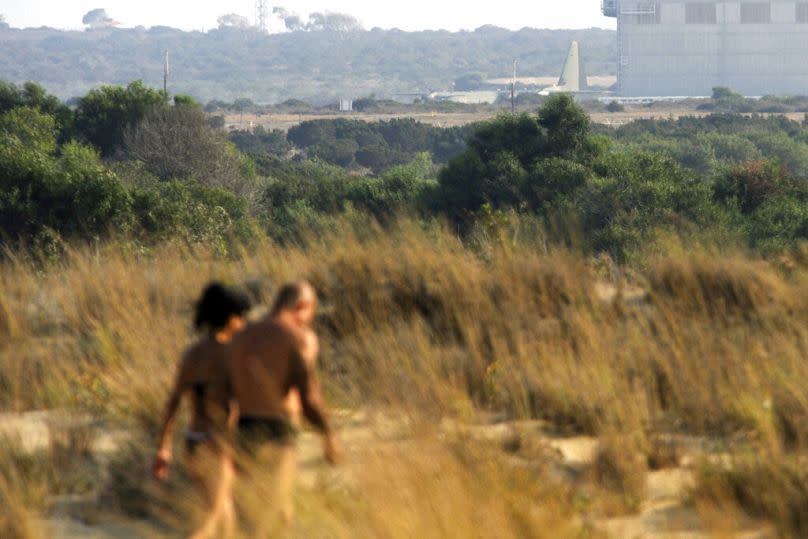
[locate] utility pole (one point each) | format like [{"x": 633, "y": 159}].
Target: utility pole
[
  {"x": 513, "y": 89},
  {"x": 165, "y": 75},
  {"x": 261, "y": 15}
]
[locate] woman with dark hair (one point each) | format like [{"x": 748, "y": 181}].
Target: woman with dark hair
[{"x": 202, "y": 373}]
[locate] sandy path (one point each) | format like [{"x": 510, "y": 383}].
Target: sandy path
[
  {"x": 38, "y": 430},
  {"x": 663, "y": 513}
]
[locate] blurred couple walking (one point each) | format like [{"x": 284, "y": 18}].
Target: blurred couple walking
[{"x": 249, "y": 384}]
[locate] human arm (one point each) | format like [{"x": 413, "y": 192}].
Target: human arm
[
  {"x": 304, "y": 378},
  {"x": 163, "y": 456},
  {"x": 233, "y": 412}
]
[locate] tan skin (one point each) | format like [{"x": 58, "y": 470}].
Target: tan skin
[
  {"x": 202, "y": 365},
  {"x": 267, "y": 364},
  {"x": 300, "y": 316}
]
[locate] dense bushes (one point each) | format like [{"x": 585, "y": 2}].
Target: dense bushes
[
  {"x": 178, "y": 142},
  {"x": 398, "y": 190},
  {"x": 692, "y": 175},
  {"x": 376, "y": 145},
  {"x": 193, "y": 212},
  {"x": 298, "y": 195},
  {"x": 261, "y": 142},
  {"x": 104, "y": 114},
  {"x": 553, "y": 164},
  {"x": 167, "y": 173},
  {"x": 72, "y": 193},
  {"x": 708, "y": 144},
  {"x": 50, "y": 191}
]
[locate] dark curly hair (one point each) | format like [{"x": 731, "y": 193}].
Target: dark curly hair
[{"x": 217, "y": 304}]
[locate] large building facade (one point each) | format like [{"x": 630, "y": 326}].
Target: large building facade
[{"x": 685, "y": 48}]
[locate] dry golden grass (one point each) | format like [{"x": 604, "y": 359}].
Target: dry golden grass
[
  {"x": 23, "y": 490},
  {"x": 775, "y": 489},
  {"x": 619, "y": 470},
  {"x": 425, "y": 488},
  {"x": 414, "y": 321},
  {"x": 15, "y": 518}
]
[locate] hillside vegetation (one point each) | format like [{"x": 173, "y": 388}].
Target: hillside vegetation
[
  {"x": 127, "y": 164},
  {"x": 318, "y": 66},
  {"x": 641, "y": 289},
  {"x": 420, "y": 327}
]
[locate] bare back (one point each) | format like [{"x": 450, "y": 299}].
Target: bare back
[
  {"x": 265, "y": 362},
  {"x": 203, "y": 373},
  {"x": 260, "y": 366}
]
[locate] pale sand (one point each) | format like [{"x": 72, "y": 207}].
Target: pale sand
[{"x": 663, "y": 513}]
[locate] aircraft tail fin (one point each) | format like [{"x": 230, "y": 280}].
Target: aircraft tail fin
[{"x": 573, "y": 76}]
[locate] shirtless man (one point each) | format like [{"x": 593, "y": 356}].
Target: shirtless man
[
  {"x": 268, "y": 363},
  {"x": 220, "y": 312}
]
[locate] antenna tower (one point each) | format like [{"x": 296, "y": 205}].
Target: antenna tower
[{"x": 261, "y": 15}]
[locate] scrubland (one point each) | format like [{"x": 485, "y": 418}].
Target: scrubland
[{"x": 454, "y": 371}]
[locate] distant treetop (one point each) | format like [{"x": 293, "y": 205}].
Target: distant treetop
[
  {"x": 317, "y": 63},
  {"x": 232, "y": 20},
  {"x": 325, "y": 21},
  {"x": 98, "y": 18}
]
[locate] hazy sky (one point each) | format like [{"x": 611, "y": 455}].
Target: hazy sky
[{"x": 410, "y": 15}]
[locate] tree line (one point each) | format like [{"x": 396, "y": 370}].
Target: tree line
[
  {"x": 127, "y": 163},
  {"x": 317, "y": 66},
  {"x": 356, "y": 144}
]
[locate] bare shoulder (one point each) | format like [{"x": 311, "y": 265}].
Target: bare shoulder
[
  {"x": 306, "y": 342},
  {"x": 311, "y": 345},
  {"x": 253, "y": 333},
  {"x": 258, "y": 340}
]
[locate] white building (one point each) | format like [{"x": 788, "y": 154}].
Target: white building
[{"x": 678, "y": 47}]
